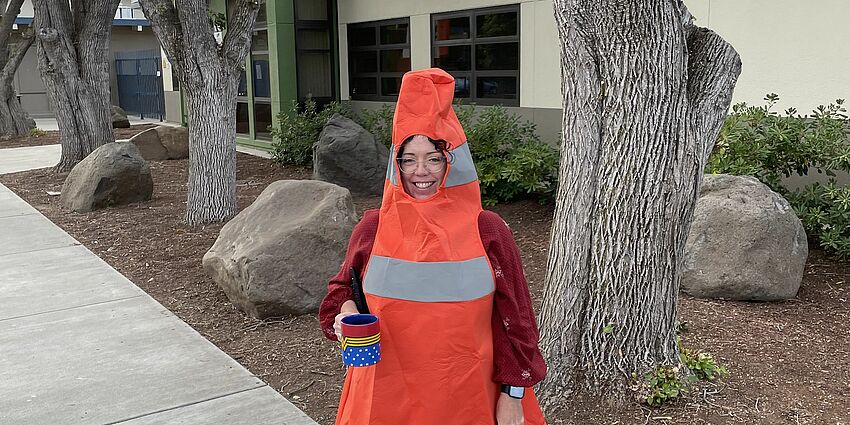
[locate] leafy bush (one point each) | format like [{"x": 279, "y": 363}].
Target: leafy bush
[
  {"x": 666, "y": 383},
  {"x": 757, "y": 141},
  {"x": 702, "y": 365},
  {"x": 379, "y": 122},
  {"x": 511, "y": 160},
  {"x": 659, "y": 386},
  {"x": 299, "y": 128},
  {"x": 37, "y": 132}
]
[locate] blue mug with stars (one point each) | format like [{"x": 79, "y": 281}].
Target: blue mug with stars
[{"x": 361, "y": 340}]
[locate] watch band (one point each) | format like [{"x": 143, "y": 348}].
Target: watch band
[{"x": 513, "y": 392}]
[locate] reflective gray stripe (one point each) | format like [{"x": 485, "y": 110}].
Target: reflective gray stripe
[
  {"x": 462, "y": 172},
  {"x": 391, "y": 168},
  {"x": 447, "y": 281}
]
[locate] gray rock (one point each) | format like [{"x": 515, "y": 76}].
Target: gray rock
[
  {"x": 745, "y": 243},
  {"x": 163, "y": 142},
  {"x": 119, "y": 118},
  {"x": 276, "y": 256},
  {"x": 175, "y": 140},
  {"x": 348, "y": 155},
  {"x": 114, "y": 174},
  {"x": 149, "y": 145}
]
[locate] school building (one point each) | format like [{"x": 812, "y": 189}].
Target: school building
[
  {"x": 502, "y": 52},
  {"x": 134, "y": 57}
]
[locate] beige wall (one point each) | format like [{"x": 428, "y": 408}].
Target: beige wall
[
  {"x": 795, "y": 48},
  {"x": 26, "y": 9}
]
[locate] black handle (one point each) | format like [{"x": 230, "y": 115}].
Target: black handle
[{"x": 357, "y": 290}]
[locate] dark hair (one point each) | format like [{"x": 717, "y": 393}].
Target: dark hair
[{"x": 441, "y": 145}]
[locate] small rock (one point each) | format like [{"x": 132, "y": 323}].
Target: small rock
[{"x": 114, "y": 174}]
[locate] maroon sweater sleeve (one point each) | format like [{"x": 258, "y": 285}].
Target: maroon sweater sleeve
[
  {"x": 357, "y": 255},
  {"x": 516, "y": 355}
]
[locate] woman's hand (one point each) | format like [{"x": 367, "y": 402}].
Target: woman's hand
[
  {"x": 509, "y": 410},
  {"x": 347, "y": 309}
]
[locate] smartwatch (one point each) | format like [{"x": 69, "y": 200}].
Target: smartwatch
[{"x": 513, "y": 392}]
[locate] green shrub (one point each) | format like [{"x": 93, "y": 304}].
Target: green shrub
[
  {"x": 379, "y": 122},
  {"x": 659, "y": 386},
  {"x": 299, "y": 128},
  {"x": 37, "y": 132},
  {"x": 757, "y": 141},
  {"x": 702, "y": 365},
  {"x": 666, "y": 383},
  {"x": 511, "y": 160}
]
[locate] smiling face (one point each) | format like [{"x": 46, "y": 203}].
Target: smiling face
[{"x": 426, "y": 167}]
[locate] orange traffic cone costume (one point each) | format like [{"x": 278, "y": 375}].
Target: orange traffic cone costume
[{"x": 431, "y": 284}]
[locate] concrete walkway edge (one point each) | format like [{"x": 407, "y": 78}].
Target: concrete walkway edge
[{"x": 80, "y": 343}]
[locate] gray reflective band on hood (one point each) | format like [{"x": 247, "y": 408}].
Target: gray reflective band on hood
[
  {"x": 443, "y": 281},
  {"x": 462, "y": 169}
]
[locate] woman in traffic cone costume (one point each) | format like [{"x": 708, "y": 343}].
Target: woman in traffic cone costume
[{"x": 458, "y": 336}]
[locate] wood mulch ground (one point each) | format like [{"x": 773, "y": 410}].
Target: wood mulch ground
[
  {"x": 45, "y": 138},
  {"x": 789, "y": 362}
]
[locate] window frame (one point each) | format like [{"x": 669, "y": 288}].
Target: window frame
[
  {"x": 473, "y": 41},
  {"x": 315, "y": 25},
  {"x": 377, "y": 47}
]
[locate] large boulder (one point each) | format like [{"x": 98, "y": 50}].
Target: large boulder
[
  {"x": 276, "y": 256},
  {"x": 163, "y": 142},
  {"x": 114, "y": 174},
  {"x": 149, "y": 145},
  {"x": 175, "y": 140},
  {"x": 745, "y": 243},
  {"x": 348, "y": 155},
  {"x": 119, "y": 118}
]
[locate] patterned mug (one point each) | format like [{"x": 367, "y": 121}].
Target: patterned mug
[{"x": 361, "y": 340}]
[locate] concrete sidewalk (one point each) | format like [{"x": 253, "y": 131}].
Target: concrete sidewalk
[
  {"x": 81, "y": 344},
  {"x": 49, "y": 124}
]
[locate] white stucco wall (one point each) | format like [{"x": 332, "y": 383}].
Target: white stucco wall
[{"x": 795, "y": 48}]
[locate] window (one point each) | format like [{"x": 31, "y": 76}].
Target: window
[
  {"x": 313, "y": 44},
  {"x": 480, "y": 48},
  {"x": 378, "y": 56},
  {"x": 261, "y": 77}
]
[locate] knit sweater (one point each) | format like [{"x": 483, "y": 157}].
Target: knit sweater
[{"x": 516, "y": 356}]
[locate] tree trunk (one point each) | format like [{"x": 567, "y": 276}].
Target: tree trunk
[
  {"x": 645, "y": 93},
  {"x": 209, "y": 76},
  {"x": 14, "y": 121},
  {"x": 73, "y": 47},
  {"x": 212, "y": 150}
]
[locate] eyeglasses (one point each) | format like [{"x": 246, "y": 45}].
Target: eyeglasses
[{"x": 434, "y": 164}]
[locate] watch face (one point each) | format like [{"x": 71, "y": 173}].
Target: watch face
[{"x": 516, "y": 392}]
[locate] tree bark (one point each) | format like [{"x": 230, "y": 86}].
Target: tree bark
[
  {"x": 14, "y": 121},
  {"x": 212, "y": 152},
  {"x": 645, "y": 93},
  {"x": 73, "y": 47},
  {"x": 209, "y": 77}
]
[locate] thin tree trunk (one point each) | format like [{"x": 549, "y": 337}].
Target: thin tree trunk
[
  {"x": 14, "y": 121},
  {"x": 632, "y": 160},
  {"x": 209, "y": 76},
  {"x": 212, "y": 151},
  {"x": 73, "y": 48}
]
